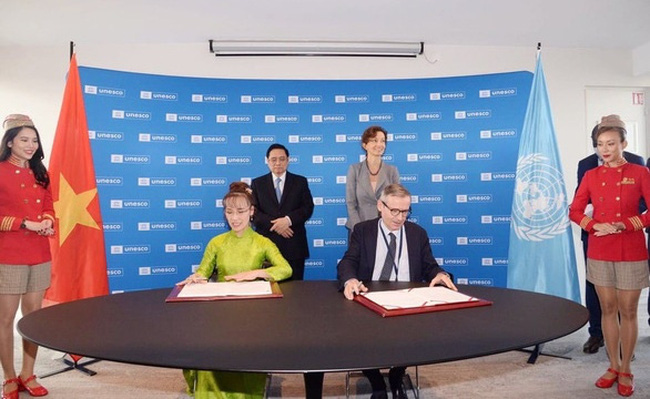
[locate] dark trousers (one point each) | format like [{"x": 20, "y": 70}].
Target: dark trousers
[
  {"x": 313, "y": 385},
  {"x": 298, "y": 267},
  {"x": 395, "y": 376},
  {"x": 593, "y": 303}
]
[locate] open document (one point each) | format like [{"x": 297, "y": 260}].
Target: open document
[
  {"x": 225, "y": 290},
  {"x": 417, "y": 300}
]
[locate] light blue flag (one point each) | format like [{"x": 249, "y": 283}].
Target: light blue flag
[{"x": 541, "y": 256}]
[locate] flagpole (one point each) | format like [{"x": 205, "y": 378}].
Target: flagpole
[{"x": 71, "y": 49}]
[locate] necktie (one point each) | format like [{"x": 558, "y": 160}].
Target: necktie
[
  {"x": 278, "y": 192},
  {"x": 390, "y": 259}
]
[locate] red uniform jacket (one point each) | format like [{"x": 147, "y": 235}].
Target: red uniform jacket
[
  {"x": 615, "y": 194},
  {"x": 21, "y": 198}
]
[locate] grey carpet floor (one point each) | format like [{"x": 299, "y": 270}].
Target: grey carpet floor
[{"x": 506, "y": 375}]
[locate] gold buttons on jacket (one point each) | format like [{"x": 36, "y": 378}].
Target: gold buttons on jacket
[
  {"x": 22, "y": 185},
  {"x": 618, "y": 215},
  {"x": 603, "y": 184},
  {"x": 618, "y": 198},
  {"x": 26, "y": 201},
  {"x": 618, "y": 183}
]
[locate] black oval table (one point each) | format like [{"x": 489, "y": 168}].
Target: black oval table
[{"x": 312, "y": 328}]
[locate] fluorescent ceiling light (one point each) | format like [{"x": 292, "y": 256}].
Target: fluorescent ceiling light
[{"x": 315, "y": 48}]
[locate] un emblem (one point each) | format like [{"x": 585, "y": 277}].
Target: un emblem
[{"x": 539, "y": 209}]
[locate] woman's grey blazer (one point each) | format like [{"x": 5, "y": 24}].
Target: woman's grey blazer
[{"x": 360, "y": 199}]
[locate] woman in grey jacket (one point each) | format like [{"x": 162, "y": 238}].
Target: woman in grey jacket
[{"x": 367, "y": 179}]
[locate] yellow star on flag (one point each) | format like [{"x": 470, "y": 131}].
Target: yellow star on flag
[{"x": 71, "y": 209}]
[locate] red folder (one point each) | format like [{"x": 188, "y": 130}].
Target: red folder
[
  {"x": 173, "y": 295},
  {"x": 386, "y": 312}
]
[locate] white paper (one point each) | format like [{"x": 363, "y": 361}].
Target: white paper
[
  {"x": 244, "y": 288},
  {"x": 417, "y": 297}
]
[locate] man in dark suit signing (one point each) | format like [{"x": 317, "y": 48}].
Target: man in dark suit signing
[
  {"x": 283, "y": 204},
  {"x": 595, "y": 340},
  {"x": 389, "y": 248}
]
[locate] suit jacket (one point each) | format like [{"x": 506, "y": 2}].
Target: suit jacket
[
  {"x": 359, "y": 260},
  {"x": 360, "y": 198},
  {"x": 296, "y": 202},
  {"x": 591, "y": 162}
]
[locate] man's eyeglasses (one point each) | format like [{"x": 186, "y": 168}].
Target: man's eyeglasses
[{"x": 396, "y": 212}]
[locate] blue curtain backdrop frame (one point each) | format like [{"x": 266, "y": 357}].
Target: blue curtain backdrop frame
[{"x": 166, "y": 148}]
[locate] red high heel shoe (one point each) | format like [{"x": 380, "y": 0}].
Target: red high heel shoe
[
  {"x": 603, "y": 382},
  {"x": 626, "y": 390},
  {"x": 37, "y": 391},
  {"x": 13, "y": 394}
]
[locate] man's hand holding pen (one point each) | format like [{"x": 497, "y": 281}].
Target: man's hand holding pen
[{"x": 353, "y": 287}]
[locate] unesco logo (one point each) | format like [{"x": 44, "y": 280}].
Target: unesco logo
[
  {"x": 157, "y": 138},
  {"x": 474, "y": 240},
  {"x": 156, "y": 226},
  {"x": 315, "y": 263},
  {"x": 309, "y": 99},
  {"x": 459, "y": 219},
  {"x": 473, "y": 114},
  {"x": 173, "y": 204},
  {"x": 423, "y": 116},
  {"x": 506, "y": 92},
  {"x": 407, "y": 178},
  {"x": 193, "y": 247},
  {"x": 183, "y": 118},
  {"x": 449, "y": 178},
  {"x": 296, "y": 139},
  {"x": 257, "y": 99},
  {"x": 495, "y": 219},
  {"x": 281, "y": 119},
  {"x": 122, "y": 203},
  {"x": 375, "y": 117},
  {"x": 433, "y": 157},
  {"x": 474, "y": 156},
  {"x": 315, "y": 179},
  {"x": 498, "y": 134},
  {"x": 115, "y": 272},
  {"x": 328, "y": 159},
  {"x": 158, "y": 96},
  {"x": 494, "y": 261},
  {"x": 200, "y": 139},
  {"x": 153, "y": 270},
  {"x": 473, "y": 198},
  {"x": 106, "y": 136},
  {"x": 113, "y": 227},
  {"x": 358, "y": 98},
  {"x": 132, "y": 159},
  {"x": 436, "y": 241},
  {"x": 234, "y": 119},
  {"x": 234, "y": 160},
  {"x": 109, "y": 180},
  {"x": 246, "y": 139},
  {"x": 329, "y": 242},
  {"x": 130, "y": 249},
  {"x": 207, "y": 225},
  {"x": 104, "y": 91},
  {"x": 315, "y": 222},
  {"x": 156, "y": 181},
  {"x": 453, "y": 261},
  {"x": 453, "y": 95},
  {"x": 209, "y": 98},
  {"x": 498, "y": 176},
  {"x": 387, "y": 98},
  {"x": 328, "y": 118},
  {"x": 438, "y": 136},
  {"x": 480, "y": 281},
  {"x": 131, "y": 115}
]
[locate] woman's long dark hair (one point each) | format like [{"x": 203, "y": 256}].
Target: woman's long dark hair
[{"x": 35, "y": 163}]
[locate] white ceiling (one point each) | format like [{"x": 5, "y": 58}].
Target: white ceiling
[{"x": 556, "y": 23}]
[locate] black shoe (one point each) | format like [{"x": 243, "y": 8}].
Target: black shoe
[
  {"x": 379, "y": 395},
  {"x": 593, "y": 344}
]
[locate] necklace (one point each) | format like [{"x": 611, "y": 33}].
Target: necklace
[{"x": 378, "y": 169}]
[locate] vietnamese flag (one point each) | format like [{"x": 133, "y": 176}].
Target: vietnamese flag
[{"x": 78, "y": 257}]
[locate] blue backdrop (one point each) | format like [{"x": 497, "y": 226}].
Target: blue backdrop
[{"x": 166, "y": 148}]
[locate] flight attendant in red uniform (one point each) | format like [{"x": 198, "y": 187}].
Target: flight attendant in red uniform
[
  {"x": 26, "y": 221},
  {"x": 617, "y": 257}
]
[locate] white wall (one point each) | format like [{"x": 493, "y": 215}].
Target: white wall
[{"x": 32, "y": 79}]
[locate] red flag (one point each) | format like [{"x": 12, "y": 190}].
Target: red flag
[{"x": 78, "y": 257}]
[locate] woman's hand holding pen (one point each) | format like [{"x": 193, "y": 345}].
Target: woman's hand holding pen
[
  {"x": 193, "y": 279},
  {"x": 353, "y": 287}
]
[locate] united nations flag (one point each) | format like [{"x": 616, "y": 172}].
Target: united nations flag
[{"x": 541, "y": 255}]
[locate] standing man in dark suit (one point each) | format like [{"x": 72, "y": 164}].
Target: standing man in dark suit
[
  {"x": 389, "y": 248},
  {"x": 595, "y": 340},
  {"x": 283, "y": 204}
]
